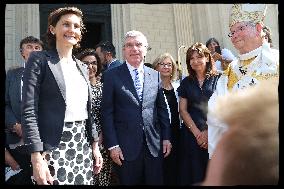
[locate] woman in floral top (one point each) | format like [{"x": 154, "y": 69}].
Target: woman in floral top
[{"x": 93, "y": 64}]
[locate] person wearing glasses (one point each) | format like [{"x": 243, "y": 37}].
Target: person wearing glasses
[
  {"x": 92, "y": 61},
  {"x": 136, "y": 125},
  {"x": 255, "y": 62},
  {"x": 13, "y": 99},
  {"x": 194, "y": 93},
  {"x": 167, "y": 67},
  {"x": 59, "y": 131}
]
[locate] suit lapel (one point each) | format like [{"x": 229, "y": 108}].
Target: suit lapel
[
  {"x": 127, "y": 80},
  {"x": 19, "y": 76},
  {"x": 53, "y": 63},
  {"x": 148, "y": 82}
]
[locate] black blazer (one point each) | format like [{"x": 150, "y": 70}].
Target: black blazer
[
  {"x": 43, "y": 103},
  {"x": 124, "y": 117},
  {"x": 116, "y": 63},
  {"x": 13, "y": 103}
]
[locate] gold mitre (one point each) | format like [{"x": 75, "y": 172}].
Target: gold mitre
[{"x": 247, "y": 12}]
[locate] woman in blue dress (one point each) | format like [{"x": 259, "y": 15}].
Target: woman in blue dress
[{"x": 195, "y": 91}]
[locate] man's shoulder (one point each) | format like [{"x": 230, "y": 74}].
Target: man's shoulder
[
  {"x": 150, "y": 70},
  {"x": 15, "y": 70},
  {"x": 117, "y": 63},
  {"x": 114, "y": 70}
]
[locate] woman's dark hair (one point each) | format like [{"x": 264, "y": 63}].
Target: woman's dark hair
[
  {"x": 55, "y": 16},
  {"x": 212, "y": 40},
  {"x": 91, "y": 52},
  {"x": 203, "y": 51}
]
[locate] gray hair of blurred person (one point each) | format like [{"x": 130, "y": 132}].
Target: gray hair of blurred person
[
  {"x": 55, "y": 16},
  {"x": 161, "y": 58},
  {"x": 134, "y": 33}
]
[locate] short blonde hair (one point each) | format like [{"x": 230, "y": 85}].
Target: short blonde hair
[{"x": 161, "y": 58}]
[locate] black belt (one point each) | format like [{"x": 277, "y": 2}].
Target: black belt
[{"x": 75, "y": 122}]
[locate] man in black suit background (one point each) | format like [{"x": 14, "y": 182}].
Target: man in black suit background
[
  {"x": 107, "y": 54},
  {"x": 13, "y": 98},
  {"x": 135, "y": 120}
]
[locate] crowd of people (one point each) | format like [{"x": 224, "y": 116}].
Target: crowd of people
[{"x": 91, "y": 119}]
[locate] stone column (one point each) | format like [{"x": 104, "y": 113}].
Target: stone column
[
  {"x": 184, "y": 32},
  {"x": 120, "y": 22},
  {"x": 22, "y": 20}
]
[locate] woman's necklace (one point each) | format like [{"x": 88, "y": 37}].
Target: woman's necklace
[
  {"x": 168, "y": 87},
  {"x": 200, "y": 81}
]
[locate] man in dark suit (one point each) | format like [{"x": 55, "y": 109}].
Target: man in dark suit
[
  {"x": 135, "y": 121},
  {"x": 107, "y": 54},
  {"x": 13, "y": 98}
]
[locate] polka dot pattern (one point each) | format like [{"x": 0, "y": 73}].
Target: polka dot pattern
[{"x": 72, "y": 162}]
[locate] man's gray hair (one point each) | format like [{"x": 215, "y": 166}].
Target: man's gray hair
[{"x": 134, "y": 33}]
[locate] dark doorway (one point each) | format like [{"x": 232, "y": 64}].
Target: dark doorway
[
  {"x": 92, "y": 36},
  {"x": 96, "y": 17}
]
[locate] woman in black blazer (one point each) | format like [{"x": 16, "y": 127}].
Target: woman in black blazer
[{"x": 57, "y": 126}]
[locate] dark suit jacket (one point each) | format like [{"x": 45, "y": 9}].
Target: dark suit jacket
[
  {"x": 43, "y": 103},
  {"x": 13, "y": 103},
  {"x": 116, "y": 63},
  {"x": 124, "y": 117}
]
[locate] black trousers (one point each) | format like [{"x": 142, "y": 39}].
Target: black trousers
[{"x": 145, "y": 170}]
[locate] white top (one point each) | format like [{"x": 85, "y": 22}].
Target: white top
[
  {"x": 76, "y": 92},
  {"x": 175, "y": 85},
  {"x": 218, "y": 65}
]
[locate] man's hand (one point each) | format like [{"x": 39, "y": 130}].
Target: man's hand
[
  {"x": 167, "y": 146},
  {"x": 116, "y": 155}
]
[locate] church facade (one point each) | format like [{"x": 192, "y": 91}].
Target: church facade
[{"x": 168, "y": 27}]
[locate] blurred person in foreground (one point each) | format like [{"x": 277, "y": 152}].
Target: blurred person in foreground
[{"x": 248, "y": 153}]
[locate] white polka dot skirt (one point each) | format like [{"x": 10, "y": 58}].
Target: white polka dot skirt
[{"x": 72, "y": 163}]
